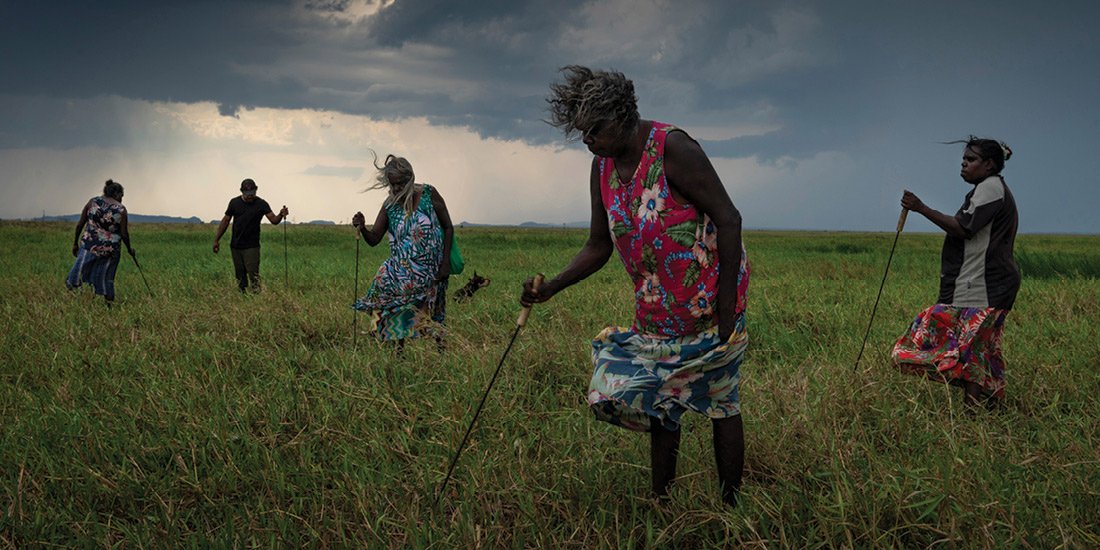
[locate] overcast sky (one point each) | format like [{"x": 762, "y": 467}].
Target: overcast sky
[{"x": 816, "y": 114}]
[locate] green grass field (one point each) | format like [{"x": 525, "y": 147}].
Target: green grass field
[{"x": 194, "y": 415}]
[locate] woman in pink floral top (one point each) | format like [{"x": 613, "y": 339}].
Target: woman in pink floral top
[
  {"x": 657, "y": 200},
  {"x": 97, "y": 244}
]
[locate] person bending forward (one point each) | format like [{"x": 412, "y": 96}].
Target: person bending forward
[{"x": 656, "y": 199}]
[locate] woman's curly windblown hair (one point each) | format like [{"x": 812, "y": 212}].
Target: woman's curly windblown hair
[
  {"x": 587, "y": 98},
  {"x": 997, "y": 151},
  {"x": 402, "y": 172}
]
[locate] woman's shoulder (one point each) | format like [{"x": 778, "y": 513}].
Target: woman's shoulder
[
  {"x": 988, "y": 190},
  {"x": 427, "y": 191},
  {"x": 662, "y": 126},
  {"x": 666, "y": 131},
  {"x": 677, "y": 136}
]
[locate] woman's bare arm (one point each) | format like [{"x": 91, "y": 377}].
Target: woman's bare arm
[{"x": 591, "y": 257}]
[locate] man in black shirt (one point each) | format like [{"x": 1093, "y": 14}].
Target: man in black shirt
[{"x": 246, "y": 211}]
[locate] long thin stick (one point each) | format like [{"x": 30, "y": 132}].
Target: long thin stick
[
  {"x": 354, "y": 313},
  {"x": 901, "y": 224},
  {"x": 522, "y": 320},
  {"x": 286, "y": 262},
  {"x": 134, "y": 257}
]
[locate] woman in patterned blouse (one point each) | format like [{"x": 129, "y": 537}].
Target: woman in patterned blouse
[{"x": 99, "y": 232}]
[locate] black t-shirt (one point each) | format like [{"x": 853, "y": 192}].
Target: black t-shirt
[
  {"x": 979, "y": 270},
  {"x": 246, "y": 221}
]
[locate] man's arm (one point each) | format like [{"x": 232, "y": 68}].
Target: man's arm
[
  {"x": 221, "y": 231},
  {"x": 689, "y": 172},
  {"x": 271, "y": 217}
]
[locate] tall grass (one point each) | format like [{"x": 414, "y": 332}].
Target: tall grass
[
  {"x": 195, "y": 415},
  {"x": 1053, "y": 265}
]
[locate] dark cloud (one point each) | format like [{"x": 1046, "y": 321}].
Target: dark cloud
[
  {"x": 229, "y": 110},
  {"x": 39, "y": 121},
  {"x": 483, "y": 65},
  {"x": 178, "y": 51},
  {"x": 863, "y": 89},
  {"x": 838, "y": 76}
]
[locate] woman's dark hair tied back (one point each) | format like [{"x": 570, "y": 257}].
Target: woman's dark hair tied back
[
  {"x": 112, "y": 189},
  {"x": 997, "y": 151}
]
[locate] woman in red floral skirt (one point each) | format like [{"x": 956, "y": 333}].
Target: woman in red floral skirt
[{"x": 958, "y": 339}]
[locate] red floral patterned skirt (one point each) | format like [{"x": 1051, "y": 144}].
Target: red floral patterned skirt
[{"x": 956, "y": 344}]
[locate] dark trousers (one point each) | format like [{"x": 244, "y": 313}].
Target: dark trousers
[{"x": 246, "y": 264}]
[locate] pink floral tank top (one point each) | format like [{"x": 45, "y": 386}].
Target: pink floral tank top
[{"x": 669, "y": 249}]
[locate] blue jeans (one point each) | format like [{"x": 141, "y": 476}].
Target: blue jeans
[{"x": 98, "y": 271}]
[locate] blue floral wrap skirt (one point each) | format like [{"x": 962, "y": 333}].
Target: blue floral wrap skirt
[{"x": 638, "y": 378}]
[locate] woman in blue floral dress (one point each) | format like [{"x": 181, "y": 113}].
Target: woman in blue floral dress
[
  {"x": 96, "y": 245},
  {"x": 407, "y": 298}
]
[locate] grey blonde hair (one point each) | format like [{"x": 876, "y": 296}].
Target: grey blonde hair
[
  {"x": 402, "y": 171},
  {"x": 588, "y": 98}
]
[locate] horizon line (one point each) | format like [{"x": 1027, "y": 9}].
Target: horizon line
[{"x": 521, "y": 225}]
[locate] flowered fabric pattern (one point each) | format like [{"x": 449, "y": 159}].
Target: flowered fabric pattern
[
  {"x": 102, "y": 234},
  {"x": 956, "y": 344},
  {"x": 668, "y": 248},
  {"x": 638, "y": 378},
  {"x": 404, "y": 301},
  {"x": 670, "y": 360},
  {"x": 99, "y": 248}
]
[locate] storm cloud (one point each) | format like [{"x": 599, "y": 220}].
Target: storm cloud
[{"x": 873, "y": 83}]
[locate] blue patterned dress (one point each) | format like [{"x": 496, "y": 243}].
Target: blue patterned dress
[{"x": 404, "y": 300}]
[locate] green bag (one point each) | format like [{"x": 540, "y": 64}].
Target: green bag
[{"x": 457, "y": 263}]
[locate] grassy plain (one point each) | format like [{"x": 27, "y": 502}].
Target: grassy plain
[{"x": 194, "y": 415}]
